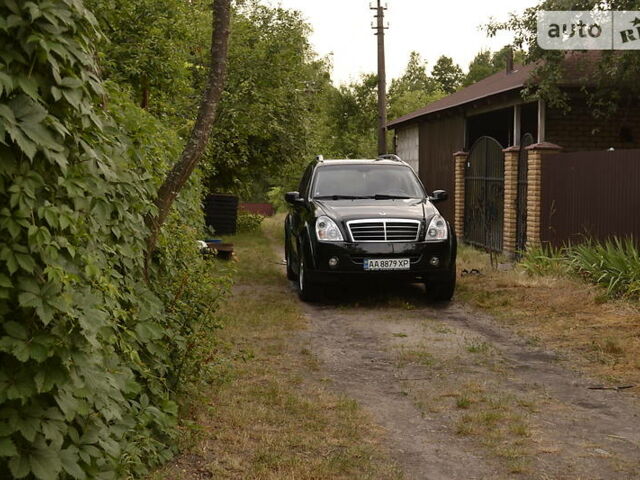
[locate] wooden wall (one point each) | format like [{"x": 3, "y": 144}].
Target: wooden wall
[{"x": 440, "y": 138}]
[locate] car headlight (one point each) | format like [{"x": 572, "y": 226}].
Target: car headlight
[
  {"x": 437, "y": 230},
  {"x": 327, "y": 230}
]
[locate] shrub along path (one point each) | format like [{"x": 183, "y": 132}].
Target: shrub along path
[
  {"x": 265, "y": 411},
  {"x": 457, "y": 394}
]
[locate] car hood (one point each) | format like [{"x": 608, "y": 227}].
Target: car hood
[{"x": 346, "y": 210}]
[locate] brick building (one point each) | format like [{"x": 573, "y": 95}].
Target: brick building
[{"x": 487, "y": 147}]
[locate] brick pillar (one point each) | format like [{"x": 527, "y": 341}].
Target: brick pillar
[
  {"x": 511, "y": 158},
  {"x": 534, "y": 195},
  {"x": 460, "y": 162}
]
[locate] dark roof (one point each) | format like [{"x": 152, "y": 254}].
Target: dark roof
[
  {"x": 578, "y": 66},
  {"x": 497, "y": 83}
]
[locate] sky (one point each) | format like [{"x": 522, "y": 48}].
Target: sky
[{"x": 433, "y": 28}]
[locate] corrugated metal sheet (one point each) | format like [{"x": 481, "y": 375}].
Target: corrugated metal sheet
[
  {"x": 593, "y": 194},
  {"x": 408, "y": 146}
]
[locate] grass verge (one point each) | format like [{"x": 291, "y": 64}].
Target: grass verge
[
  {"x": 560, "y": 311},
  {"x": 499, "y": 423},
  {"x": 262, "y": 414},
  {"x": 459, "y": 381}
]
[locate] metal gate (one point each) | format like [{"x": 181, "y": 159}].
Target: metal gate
[
  {"x": 484, "y": 194},
  {"x": 523, "y": 188}
]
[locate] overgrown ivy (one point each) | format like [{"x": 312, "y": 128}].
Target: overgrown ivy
[{"x": 90, "y": 356}]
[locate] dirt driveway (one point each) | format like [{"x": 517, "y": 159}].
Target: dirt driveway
[{"x": 463, "y": 398}]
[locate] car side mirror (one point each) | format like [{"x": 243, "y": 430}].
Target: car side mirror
[
  {"x": 293, "y": 198},
  {"x": 438, "y": 196}
]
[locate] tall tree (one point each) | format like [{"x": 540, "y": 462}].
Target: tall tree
[
  {"x": 353, "y": 118},
  {"x": 487, "y": 63},
  {"x": 153, "y": 49},
  {"x": 268, "y": 112},
  {"x": 414, "y": 89},
  {"x": 499, "y": 58},
  {"x": 480, "y": 67},
  {"x": 611, "y": 79},
  {"x": 448, "y": 74},
  {"x": 197, "y": 142},
  {"x": 414, "y": 78}
]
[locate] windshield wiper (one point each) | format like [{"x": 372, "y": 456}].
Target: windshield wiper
[
  {"x": 340, "y": 197},
  {"x": 381, "y": 196}
]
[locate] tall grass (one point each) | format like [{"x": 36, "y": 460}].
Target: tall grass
[
  {"x": 545, "y": 260},
  {"x": 613, "y": 264}
]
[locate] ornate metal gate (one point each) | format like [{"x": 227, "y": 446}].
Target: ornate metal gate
[
  {"x": 484, "y": 194},
  {"x": 523, "y": 167}
]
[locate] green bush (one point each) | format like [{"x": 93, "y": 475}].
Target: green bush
[
  {"x": 91, "y": 356},
  {"x": 276, "y": 198},
  {"x": 249, "y": 222},
  {"x": 614, "y": 264}
]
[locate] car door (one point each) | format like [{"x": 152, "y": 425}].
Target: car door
[{"x": 299, "y": 214}]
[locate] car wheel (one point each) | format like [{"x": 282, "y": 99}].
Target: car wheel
[
  {"x": 291, "y": 275},
  {"x": 442, "y": 289},
  {"x": 307, "y": 291}
]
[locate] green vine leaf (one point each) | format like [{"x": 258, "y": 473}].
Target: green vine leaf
[
  {"x": 20, "y": 467},
  {"x": 45, "y": 462},
  {"x": 7, "y": 448},
  {"x": 69, "y": 458}
]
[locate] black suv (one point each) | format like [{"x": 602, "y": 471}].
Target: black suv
[{"x": 355, "y": 219}]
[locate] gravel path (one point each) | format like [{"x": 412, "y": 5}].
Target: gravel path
[{"x": 462, "y": 398}]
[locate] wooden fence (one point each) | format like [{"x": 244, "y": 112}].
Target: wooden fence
[
  {"x": 590, "y": 194},
  {"x": 264, "y": 209}
]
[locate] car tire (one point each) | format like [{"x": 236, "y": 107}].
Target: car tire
[
  {"x": 307, "y": 291},
  {"x": 291, "y": 275},
  {"x": 442, "y": 289}
]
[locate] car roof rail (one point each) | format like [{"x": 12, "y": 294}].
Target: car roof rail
[{"x": 390, "y": 156}]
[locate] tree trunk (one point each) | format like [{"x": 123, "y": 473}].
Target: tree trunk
[
  {"x": 144, "y": 102},
  {"x": 199, "y": 137}
]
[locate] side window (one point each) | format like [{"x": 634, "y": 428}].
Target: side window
[{"x": 303, "y": 188}]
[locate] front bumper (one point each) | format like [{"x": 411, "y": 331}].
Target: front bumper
[{"x": 351, "y": 258}]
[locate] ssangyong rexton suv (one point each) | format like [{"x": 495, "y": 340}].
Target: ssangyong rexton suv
[{"x": 357, "y": 219}]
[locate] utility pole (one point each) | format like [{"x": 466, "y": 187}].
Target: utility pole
[{"x": 382, "y": 79}]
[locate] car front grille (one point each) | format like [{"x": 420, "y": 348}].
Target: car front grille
[{"x": 387, "y": 230}]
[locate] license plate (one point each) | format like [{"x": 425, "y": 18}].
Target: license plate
[{"x": 387, "y": 264}]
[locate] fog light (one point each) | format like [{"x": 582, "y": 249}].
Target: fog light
[
  {"x": 333, "y": 262},
  {"x": 435, "y": 261}
]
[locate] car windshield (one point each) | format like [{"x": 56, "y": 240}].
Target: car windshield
[{"x": 352, "y": 181}]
